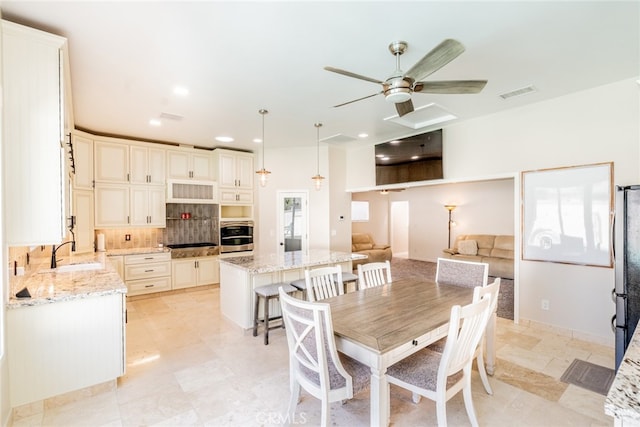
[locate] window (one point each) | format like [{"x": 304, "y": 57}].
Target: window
[{"x": 359, "y": 211}]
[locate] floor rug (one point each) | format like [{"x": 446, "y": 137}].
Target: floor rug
[
  {"x": 589, "y": 376},
  {"x": 402, "y": 268}
]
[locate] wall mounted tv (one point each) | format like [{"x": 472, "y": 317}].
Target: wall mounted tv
[{"x": 410, "y": 159}]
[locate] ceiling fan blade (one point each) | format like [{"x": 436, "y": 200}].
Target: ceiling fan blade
[
  {"x": 404, "y": 107},
  {"x": 356, "y": 100},
  {"x": 439, "y": 56},
  {"x": 450, "y": 86},
  {"x": 350, "y": 74}
]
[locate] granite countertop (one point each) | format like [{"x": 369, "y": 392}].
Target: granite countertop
[
  {"x": 135, "y": 251},
  {"x": 48, "y": 286},
  {"x": 623, "y": 399},
  {"x": 268, "y": 263}
]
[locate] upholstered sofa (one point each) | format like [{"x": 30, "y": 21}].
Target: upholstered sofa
[
  {"x": 362, "y": 243},
  {"x": 495, "y": 250}
]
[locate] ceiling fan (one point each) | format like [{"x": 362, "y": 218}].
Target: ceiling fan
[{"x": 399, "y": 86}]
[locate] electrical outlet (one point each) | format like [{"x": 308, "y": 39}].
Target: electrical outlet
[
  {"x": 544, "y": 304},
  {"x": 127, "y": 237}
]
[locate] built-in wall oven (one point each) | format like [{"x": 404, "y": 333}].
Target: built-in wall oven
[{"x": 236, "y": 236}]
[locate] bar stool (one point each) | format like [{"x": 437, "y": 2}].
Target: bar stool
[
  {"x": 301, "y": 284},
  {"x": 267, "y": 293}
]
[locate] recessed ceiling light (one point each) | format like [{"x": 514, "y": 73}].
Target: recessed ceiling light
[
  {"x": 155, "y": 122},
  {"x": 363, "y": 135},
  {"x": 180, "y": 91},
  {"x": 415, "y": 157},
  {"x": 257, "y": 140},
  {"x": 380, "y": 155},
  {"x": 395, "y": 141},
  {"x": 224, "y": 139},
  {"x": 384, "y": 158}
]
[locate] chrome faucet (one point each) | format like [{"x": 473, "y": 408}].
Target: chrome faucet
[{"x": 54, "y": 250}]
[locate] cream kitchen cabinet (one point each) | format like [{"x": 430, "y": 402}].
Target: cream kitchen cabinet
[
  {"x": 111, "y": 205},
  {"x": 82, "y": 214},
  {"x": 111, "y": 162},
  {"x": 83, "y": 162},
  {"x": 234, "y": 169},
  {"x": 147, "y": 165},
  {"x": 189, "y": 272},
  {"x": 147, "y": 273},
  {"x": 118, "y": 264},
  {"x": 230, "y": 196},
  {"x": 148, "y": 206},
  {"x": 190, "y": 163},
  {"x": 33, "y": 86}
]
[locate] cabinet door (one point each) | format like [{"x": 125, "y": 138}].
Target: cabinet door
[
  {"x": 111, "y": 162},
  {"x": 83, "y": 214},
  {"x": 111, "y": 205},
  {"x": 157, "y": 206},
  {"x": 202, "y": 166},
  {"x": 139, "y": 205},
  {"x": 244, "y": 171},
  {"x": 157, "y": 166},
  {"x": 226, "y": 169},
  {"x": 178, "y": 165},
  {"x": 138, "y": 171},
  {"x": 33, "y": 164},
  {"x": 208, "y": 271},
  {"x": 83, "y": 161},
  {"x": 118, "y": 264},
  {"x": 183, "y": 273}
]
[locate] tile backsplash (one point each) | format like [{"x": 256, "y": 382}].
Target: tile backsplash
[{"x": 202, "y": 226}]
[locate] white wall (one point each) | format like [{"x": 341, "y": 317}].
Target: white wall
[{"x": 597, "y": 125}]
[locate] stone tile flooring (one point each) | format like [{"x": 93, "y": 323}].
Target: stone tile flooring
[{"x": 186, "y": 365}]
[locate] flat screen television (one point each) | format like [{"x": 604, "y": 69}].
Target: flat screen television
[{"x": 410, "y": 159}]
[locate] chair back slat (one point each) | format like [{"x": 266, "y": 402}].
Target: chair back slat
[
  {"x": 323, "y": 283},
  {"x": 461, "y": 273},
  {"x": 374, "y": 274}
]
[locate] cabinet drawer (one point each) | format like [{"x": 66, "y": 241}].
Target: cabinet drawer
[
  {"x": 158, "y": 284},
  {"x": 147, "y": 258},
  {"x": 146, "y": 271}
]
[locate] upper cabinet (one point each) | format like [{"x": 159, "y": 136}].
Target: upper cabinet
[
  {"x": 34, "y": 150},
  {"x": 235, "y": 169},
  {"x": 82, "y": 162},
  {"x": 147, "y": 165},
  {"x": 190, "y": 163},
  {"x": 111, "y": 162}
]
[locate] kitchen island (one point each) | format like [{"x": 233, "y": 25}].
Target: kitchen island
[
  {"x": 70, "y": 333},
  {"x": 623, "y": 399},
  {"x": 239, "y": 275}
]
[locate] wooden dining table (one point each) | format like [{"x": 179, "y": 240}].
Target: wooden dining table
[{"x": 382, "y": 325}]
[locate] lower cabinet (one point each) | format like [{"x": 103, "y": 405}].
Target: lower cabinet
[
  {"x": 189, "y": 272},
  {"x": 147, "y": 273},
  {"x": 64, "y": 346}
]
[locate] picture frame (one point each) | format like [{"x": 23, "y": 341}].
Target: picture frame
[{"x": 567, "y": 215}]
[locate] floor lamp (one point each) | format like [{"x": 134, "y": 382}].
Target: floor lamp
[{"x": 450, "y": 208}]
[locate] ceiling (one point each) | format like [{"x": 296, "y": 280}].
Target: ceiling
[{"x": 238, "y": 57}]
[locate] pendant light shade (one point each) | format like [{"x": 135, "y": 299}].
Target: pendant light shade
[
  {"x": 263, "y": 173},
  {"x": 317, "y": 179}
]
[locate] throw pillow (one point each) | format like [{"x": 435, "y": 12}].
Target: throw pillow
[{"x": 468, "y": 247}]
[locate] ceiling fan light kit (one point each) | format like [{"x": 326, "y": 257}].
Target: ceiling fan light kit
[
  {"x": 399, "y": 87},
  {"x": 263, "y": 174}
]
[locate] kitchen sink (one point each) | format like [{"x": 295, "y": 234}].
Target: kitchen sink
[{"x": 81, "y": 266}]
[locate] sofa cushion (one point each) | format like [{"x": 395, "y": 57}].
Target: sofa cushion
[
  {"x": 362, "y": 246},
  {"x": 468, "y": 247}
]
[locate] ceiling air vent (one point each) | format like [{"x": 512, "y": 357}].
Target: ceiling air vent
[
  {"x": 338, "y": 138},
  {"x": 518, "y": 92},
  {"x": 170, "y": 116}
]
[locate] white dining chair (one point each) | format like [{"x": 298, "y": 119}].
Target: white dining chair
[
  {"x": 374, "y": 274},
  {"x": 440, "y": 376},
  {"x": 324, "y": 282},
  {"x": 314, "y": 363},
  {"x": 461, "y": 273}
]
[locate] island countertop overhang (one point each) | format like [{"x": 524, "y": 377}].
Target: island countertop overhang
[{"x": 271, "y": 262}]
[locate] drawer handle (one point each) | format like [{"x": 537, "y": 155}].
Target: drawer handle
[
  {"x": 149, "y": 271},
  {"x": 414, "y": 342},
  {"x": 149, "y": 286},
  {"x": 150, "y": 257}
]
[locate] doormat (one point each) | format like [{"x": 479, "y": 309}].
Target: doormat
[{"x": 588, "y": 375}]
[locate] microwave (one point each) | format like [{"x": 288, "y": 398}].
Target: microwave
[{"x": 236, "y": 236}]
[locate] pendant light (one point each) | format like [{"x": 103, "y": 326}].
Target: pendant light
[
  {"x": 263, "y": 173},
  {"x": 318, "y": 178}
]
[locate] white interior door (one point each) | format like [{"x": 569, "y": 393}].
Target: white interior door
[
  {"x": 400, "y": 228},
  {"x": 293, "y": 215}
]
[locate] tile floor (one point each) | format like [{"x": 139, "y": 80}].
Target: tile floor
[{"x": 186, "y": 365}]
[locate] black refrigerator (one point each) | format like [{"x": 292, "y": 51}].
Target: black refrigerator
[{"x": 627, "y": 266}]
